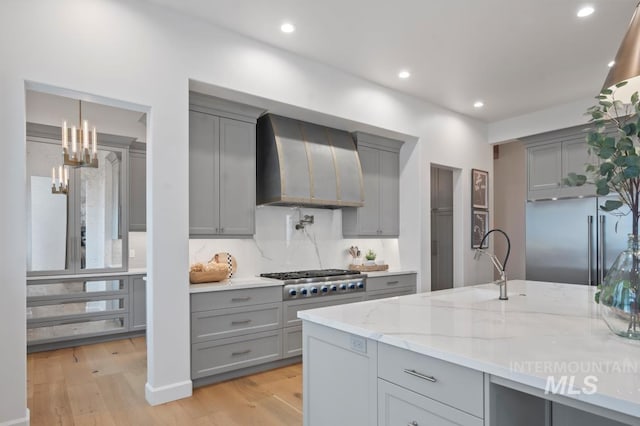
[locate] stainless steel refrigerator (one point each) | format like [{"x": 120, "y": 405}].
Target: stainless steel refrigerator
[{"x": 572, "y": 240}]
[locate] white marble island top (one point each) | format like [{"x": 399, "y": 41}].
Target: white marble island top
[{"x": 543, "y": 329}]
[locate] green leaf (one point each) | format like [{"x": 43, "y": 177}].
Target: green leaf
[
  {"x": 622, "y": 84},
  {"x": 606, "y": 92},
  {"x": 596, "y": 296},
  {"x": 631, "y": 172},
  {"x": 606, "y": 152},
  {"x": 606, "y": 104},
  {"x": 611, "y": 205},
  {"x": 634, "y": 98},
  {"x": 630, "y": 129},
  {"x": 602, "y": 187},
  {"x": 625, "y": 143},
  {"x": 606, "y": 168}
]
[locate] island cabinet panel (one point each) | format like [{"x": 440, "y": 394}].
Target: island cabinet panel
[
  {"x": 340, "y": 383},
  {"x": 562, "y": 415},
  {"x": 451, "y": 384},
  {"x": 399, "y": 406}
]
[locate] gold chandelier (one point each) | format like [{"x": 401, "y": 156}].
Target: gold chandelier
[{"x": 82, "y": 150}]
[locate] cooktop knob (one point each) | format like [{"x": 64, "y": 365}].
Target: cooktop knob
[
  {"x": 304, "y": 291},
  {"x": 343, "y": 286},
  {"x": 324, "y": 289},
  {"x": 360, "y": 284},
  {"x": 352, "y": 286},
  {"x": 292, "y": 292},
  {"x": 314, "y": 290},
  {"x": 334, "y": 288}
]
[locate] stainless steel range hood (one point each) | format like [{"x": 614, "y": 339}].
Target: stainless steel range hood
[{"x": 301, "y": 163}]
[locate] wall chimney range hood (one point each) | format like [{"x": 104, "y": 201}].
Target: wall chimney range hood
[{"x": 304, "y": 164}]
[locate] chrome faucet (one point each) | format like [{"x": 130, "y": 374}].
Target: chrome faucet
[{"x": 502, "y": 282}]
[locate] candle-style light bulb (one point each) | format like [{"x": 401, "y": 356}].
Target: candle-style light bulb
[
  {"x": 94, "y": 142},
  {"x": 60, "y": 174},
  {"x": 85, "y": 135},
  {"x": 53, "y": 176},
  {"x": 65, "y": 136},
  {"x": 74, "y": 140},
  {"x": 66, "y": 177}
]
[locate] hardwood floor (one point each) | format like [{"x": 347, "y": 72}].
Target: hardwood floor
[{"x": 103, "y": 384}]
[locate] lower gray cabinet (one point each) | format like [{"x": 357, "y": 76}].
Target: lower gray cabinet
[
  {"x": 400, "y": 406},
  {"x": 391, "y": 286},
  {"x": 138, "y": 296}
]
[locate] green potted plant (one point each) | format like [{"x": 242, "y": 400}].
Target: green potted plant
[
  {"x": 614, "y": 142},
  {"x": 370, "y": 255}
]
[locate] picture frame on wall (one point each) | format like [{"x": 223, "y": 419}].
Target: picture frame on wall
[
  {"x": 479, "y": 227},
  {"x": 479, "y": 189}
]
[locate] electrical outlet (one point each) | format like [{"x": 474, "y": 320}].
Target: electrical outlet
[
  {"x": 132, "y": 253},
  {"x": 358, "y": 344}
]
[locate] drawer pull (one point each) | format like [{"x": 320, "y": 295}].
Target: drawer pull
[
  {"x": 413, "y": 423},
  {"x": 247, "y": 321},
  {"x": 392, "y": 282},
  {"x": 420, "y": 375},
  {"x": 246, "y": 351},
  {"x": 241, "y": 299}
]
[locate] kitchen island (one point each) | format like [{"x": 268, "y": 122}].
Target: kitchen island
[{"x": 463, "y": 357}]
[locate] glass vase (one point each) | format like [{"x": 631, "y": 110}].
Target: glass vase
[{"x": 619, "y": 292}]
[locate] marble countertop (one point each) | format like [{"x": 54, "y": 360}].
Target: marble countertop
[
  {"x": 543, "y": 329},
  {"x": 234, "y": 283}
]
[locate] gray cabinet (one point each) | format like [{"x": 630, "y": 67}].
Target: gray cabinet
[
  {"x": 550, "y": 158},
  {"x": 138, "y": 303},
  {"x": 390, "y": 286},
  {"x": 380, "y": 215},
  {"x": 137, "y": 191},
  {"x": 235, "y": 329},
  {"x": 222, "y": 168}
]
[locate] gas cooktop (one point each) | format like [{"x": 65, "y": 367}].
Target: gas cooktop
[{"x": 307, "y": 275}]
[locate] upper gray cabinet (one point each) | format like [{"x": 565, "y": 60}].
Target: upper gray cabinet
[
  {"x": 137, "y": 190},
  {"x": 222, "y": 167},
  {"x": 550, "y": 158},
  {"x": 380, "y": 215}
]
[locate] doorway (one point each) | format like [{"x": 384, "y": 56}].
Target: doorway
[{"x": 441, "y": 228}]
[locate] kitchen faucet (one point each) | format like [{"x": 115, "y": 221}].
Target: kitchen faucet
[{"x": 502, "y": 282}]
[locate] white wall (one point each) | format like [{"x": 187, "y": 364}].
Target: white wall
[{"x": 144, "y": 55}]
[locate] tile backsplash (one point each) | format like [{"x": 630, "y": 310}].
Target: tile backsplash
[{"x": 277, "y": 246}]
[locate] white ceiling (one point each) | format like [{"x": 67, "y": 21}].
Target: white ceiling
[{"x": 517, "y": 56}]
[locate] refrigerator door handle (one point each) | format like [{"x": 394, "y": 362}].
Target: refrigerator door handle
[
  {"x": 589, "y": 248},
  {"x": 601, "y": 250}
]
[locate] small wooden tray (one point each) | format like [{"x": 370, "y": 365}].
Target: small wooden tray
[
  {"x": 207, "y": 277},
  {"x": 368, "y": 268}
]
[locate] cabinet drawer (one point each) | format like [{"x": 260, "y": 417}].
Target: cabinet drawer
[
  {"x": 448, "y": 383},
  {"x": 232, "y": 298},
  {"x": 292, "y": 341},
  {"x": 219, "y": 323},
  {"x": 382, "y": 294},
  {"x": 392, "y": 281},
  {"x": 291, "y": 308},
  {"x": 218, "y": 356},
  {"x": 399, "y": 406}
]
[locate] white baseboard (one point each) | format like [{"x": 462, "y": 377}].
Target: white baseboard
[
  {"x": 162, "y": 394},
  {"x": 24, "y": 421}
]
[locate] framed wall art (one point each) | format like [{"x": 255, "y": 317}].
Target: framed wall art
[
  {"x": 479, "y": 227},
  {"x": 479, "y": 189}
]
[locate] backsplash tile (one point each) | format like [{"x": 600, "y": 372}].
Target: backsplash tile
[{"x": 278, "y": 246}]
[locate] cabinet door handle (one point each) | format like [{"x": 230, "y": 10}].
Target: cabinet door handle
[
  {"x": 246, "y": 351},
  {"x": 222, "y": 230},
  {"x": 247, "y": 321},
  {"x": 241, "y": 299},
  {"x": 420, "y": 375},
  {"x": 392, "y": 282}
]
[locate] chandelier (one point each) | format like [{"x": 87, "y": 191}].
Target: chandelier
[{"x": 82, "y": 150}]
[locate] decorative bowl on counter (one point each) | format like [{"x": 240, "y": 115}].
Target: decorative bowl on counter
[{"x": 220, "y": 267}]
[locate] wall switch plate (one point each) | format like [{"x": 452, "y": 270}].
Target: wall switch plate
[
  {"x": 358, "y": 343},
  {"x": 132, "y": 253}
]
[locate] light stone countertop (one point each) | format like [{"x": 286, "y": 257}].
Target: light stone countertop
[
  {"x": 543, "y": 329},
  {"x": 234, "y": 284},
  {"x": 131, "y": 271}
]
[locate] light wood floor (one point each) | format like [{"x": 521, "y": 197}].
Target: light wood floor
[{"x": 103, "y": 384}]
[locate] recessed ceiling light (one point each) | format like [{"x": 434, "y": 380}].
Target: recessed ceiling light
[
  {"x": 404, "y": 74},
  {"x": 478, "y": 104},
  {"x": 287, "y": 27},
  {"x": 585, "y": 11},
  {"x": 610, "y": 64}
]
